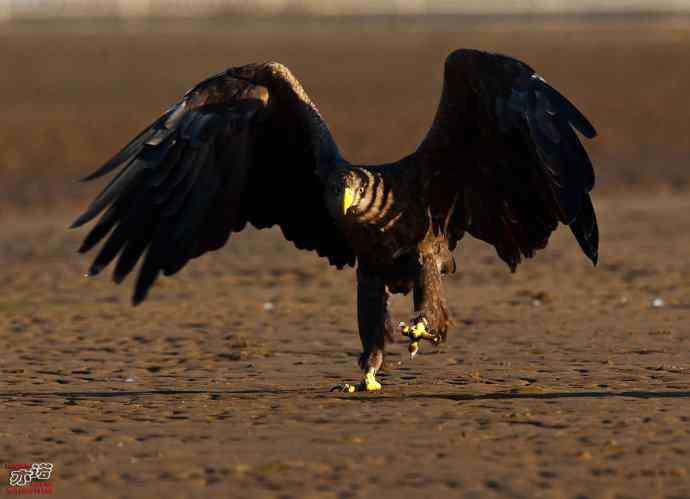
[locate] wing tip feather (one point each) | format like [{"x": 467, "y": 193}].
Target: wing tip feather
[
  {"x": 84, "y": 218},
  {"x": 139, "y": 295}
]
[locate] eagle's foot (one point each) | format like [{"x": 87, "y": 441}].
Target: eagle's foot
[
  {"x": 368, "y": 384},
  {"x": 419, "y": 331}
]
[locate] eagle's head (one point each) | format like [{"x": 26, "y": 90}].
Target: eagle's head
[{"x": 346, "y": 193}]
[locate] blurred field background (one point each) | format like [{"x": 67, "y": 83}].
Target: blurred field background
[
  {"x": 127, "y": 9},
  {"x": 73, "y": 92}
]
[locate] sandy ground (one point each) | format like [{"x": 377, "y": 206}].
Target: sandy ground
[{"x": 560, "y": 381}]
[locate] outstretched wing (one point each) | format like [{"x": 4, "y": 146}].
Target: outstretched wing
[
  {"x": 503, "y": 160},
  {"x": 243, "y": 146}
]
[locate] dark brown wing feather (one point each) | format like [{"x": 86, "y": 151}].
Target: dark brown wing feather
[
  {"x": 503, "y": 160},
  {"x": 240, "y": 147}
]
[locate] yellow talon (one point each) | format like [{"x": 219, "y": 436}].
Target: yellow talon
[
  {"x": 368, "y": 384},
  {"x": 416, "y": 333}
]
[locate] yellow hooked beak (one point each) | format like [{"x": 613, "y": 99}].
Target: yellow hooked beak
[{"x": 348, "y": 198}]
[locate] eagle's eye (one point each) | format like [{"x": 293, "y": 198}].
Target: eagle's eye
[{"x": 361, "y": 190}]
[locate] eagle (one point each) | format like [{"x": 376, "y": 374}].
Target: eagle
[{"x": 502, "y": 162}]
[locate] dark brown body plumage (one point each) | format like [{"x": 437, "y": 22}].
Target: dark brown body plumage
[{"x": 501, "y": 162}]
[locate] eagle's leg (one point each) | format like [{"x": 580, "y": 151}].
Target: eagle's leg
[
  {"x": 431, "y": 317},
  {"x": 374, "y": 327}
]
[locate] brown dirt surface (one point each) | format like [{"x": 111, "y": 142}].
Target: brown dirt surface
[{"x": 561, "y": 380}]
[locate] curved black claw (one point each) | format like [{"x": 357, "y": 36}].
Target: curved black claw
[{"x": 346, "y": 388}]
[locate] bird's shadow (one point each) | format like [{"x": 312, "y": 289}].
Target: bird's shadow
[
  {"x": 510, "y": 395},
  {"x": 140, "y": 393},
  {"x": 361, "y": 397}
]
